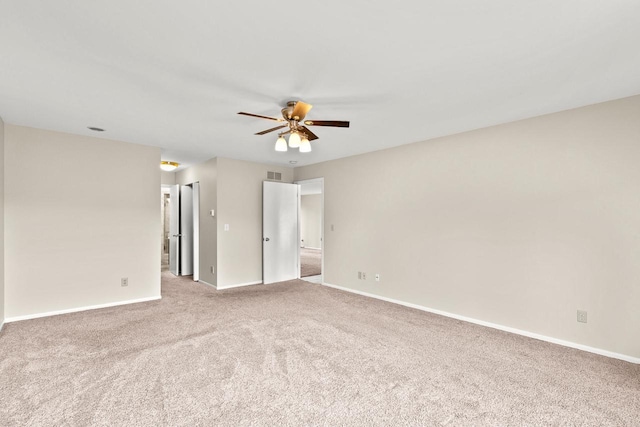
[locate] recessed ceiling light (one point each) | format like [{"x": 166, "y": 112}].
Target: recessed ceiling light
[
  {"x": 293, "y": 162},
  {"x": 95, "y": 129}
]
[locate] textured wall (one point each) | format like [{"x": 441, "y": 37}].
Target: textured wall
[
  {"x": 80, "y": 214},
  {"x": 167, "y": 178},
  {"x": 240, "y": 206},
  {"x": 519, "y": 224}
]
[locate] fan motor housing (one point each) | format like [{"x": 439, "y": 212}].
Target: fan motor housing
[{"x": 288, "y": 110}]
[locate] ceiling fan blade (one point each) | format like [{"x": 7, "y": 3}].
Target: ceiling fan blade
[
  {"x": 333, "y": 123},
  {"x": 310, "y": 134},
  {"x": 271, "y": 130},
  {"x": 261, "y": 117},
  {"x": 300, "y": 110}
]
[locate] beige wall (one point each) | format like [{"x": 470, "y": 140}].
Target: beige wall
[
  {"x": 167, "y": 178},
  {"x": 80, "y": 214},
  {"x": 206, "y": 174},
  {"x": 2, "y": 157},
  {"x": 519, "y": 224},
  {"x": 240, "y": 206},
  {"x": 310, "y": 220}
]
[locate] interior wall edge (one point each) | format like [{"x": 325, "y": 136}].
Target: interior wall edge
[
  {"x": 239, "y": 285},
  {"x": 208, "y": 284},
  {"x": 552, "y": 340},
  {"x": 79, "y": 309}
]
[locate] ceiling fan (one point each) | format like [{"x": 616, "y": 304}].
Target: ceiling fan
[{"x": 299, "y": 134}]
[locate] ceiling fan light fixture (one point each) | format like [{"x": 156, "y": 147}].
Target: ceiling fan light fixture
[
  {"x": 281, "y": 144},
  {"x": 168, "y": 166},
  {"x": 305, "y": 145},
  {"x": 293, "y": 115},
  {"x": 294, "y": 140}
]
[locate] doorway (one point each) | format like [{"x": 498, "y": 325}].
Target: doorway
[
  {"x": 164, "y": 233},
  {"x": 311, "y": 230},
  {"x": 293, "y": 246},
  {"x": 182, "y": 214}
]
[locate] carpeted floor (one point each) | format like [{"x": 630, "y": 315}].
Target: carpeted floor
[
  {"x": 310, "y": 262},
  {"x": 296, "y": 354}
]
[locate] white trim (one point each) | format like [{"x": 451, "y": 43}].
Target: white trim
[
  {"x": 238, "y": 285},
  {"x": 564, "y": 343},
  {"x": 309, "y": 247},
  {"x": 1, "y": 326},
  {"x": 208, "y": 284},
  {"x": 74, "y": 310}
]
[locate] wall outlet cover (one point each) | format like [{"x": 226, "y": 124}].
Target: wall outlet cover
[{"x": 582, "y": 316}]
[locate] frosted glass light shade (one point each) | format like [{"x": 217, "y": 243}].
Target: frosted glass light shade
[
  {"x": 305, "y": 146},
  {"x": 281, "y": 144},
  {"x": 294, "y": 140},
  {"x": 168, "y": 166}
]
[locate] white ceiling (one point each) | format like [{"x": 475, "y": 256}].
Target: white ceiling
[{"x": 174, "y": 73}]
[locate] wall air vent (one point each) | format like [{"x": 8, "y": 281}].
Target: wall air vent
[{"x": 274, "y": 176}]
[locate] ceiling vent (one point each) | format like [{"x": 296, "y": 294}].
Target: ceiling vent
[{"x": 274, "y": 176}]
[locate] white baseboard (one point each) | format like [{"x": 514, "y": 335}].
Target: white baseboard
[
  {"x": 74, "y": 310},
  {"x": 238, "y": 285},
  {"x": 312, "y": 279},
  {"x": 1, "y": 326},
  {"x": 311, "y": 247},
  {"x": 208, "y": 284},
  {"x": 564, "y": 343}
]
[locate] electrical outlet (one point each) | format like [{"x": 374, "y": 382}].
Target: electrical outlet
[
  {"x": 364, "y": 276},
  {"x": 226, "y": 227},
  {"x": 359, "y": 274},
  {"x": 124, "y": 281},
  {"x": 377, "y": 277},
  {"x": 213, "y": 270},
  {"x": 582, "y": 316}
]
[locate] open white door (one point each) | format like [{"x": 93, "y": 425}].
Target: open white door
[
  {"x": 186, "y": 230},
  {"x": 280, "y": 259},
  {"x": 174, "y": 230}
]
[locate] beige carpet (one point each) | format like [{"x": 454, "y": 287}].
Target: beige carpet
[
  {"x": 296, "y": 354},
  {"x": 310, "y": 262}
]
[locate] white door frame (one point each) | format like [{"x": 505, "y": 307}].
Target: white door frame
[{"x": 309, "y": 181}]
